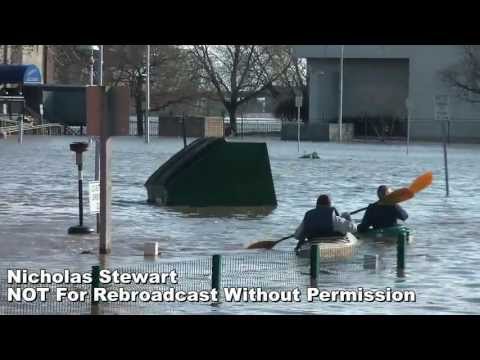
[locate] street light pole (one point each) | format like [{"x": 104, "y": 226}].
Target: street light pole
[
  {"x": 92, "y": 63},
  {"x": 100, "y": 75},
  {"x": 93, "y": 49},
  {"x": 340, "y": 112},
  {"x": 298, "y": 104},
  {"x": 147, "y": 102}
]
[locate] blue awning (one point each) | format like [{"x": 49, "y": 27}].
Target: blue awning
[{"x": 20, "y": 74}]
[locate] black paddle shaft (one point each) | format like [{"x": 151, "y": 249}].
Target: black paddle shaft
[{"x": 359, "y": 210}]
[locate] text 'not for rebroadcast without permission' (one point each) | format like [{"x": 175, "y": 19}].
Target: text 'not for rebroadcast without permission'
[{"x": 113, "y": 286}]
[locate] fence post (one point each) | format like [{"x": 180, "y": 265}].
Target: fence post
[
  {"x": 314, "y": 261},
  {"x": 402, "y": 239},
  {"x": 216, "y": 271},
  {"x": 95, "y": 284}
]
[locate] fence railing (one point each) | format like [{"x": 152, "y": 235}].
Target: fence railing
[
  {"x": 258, "y": 126},
  {"x": 273, "y": 270},
  {"x": 245, "y": 126}
]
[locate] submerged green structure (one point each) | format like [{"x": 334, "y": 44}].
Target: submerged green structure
[{"x": 214, "y": 172}]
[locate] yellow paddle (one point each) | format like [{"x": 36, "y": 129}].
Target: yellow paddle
[
  {"x": 421, "y": 182},
  {"x": 404, "y": 194}
]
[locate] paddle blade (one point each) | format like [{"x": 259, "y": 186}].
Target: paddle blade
[
  {"x": 398, "y": 196},
  {"x": 262, "y": 245},
  {"x": 422, "y": 182}
]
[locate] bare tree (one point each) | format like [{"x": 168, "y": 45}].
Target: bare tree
[
  {"x": 171, "y": 81},
  {"x": 464, "y": 77},
  {"x": 14, "y": 53},
  {"x": 70, "y": 64},
  {"x": 292, "y": 81},
  {"x": 238, "y": 73}
]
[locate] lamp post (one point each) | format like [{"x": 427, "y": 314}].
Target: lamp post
[
  {"x": 79, "y": 148},
  {"x": 147, "y": 102},
  {"x": 92, "y": 49},
  {"x": 100, "y": 82}
]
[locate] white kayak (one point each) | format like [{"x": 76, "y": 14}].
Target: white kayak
[{"x": 331, "y": 247}]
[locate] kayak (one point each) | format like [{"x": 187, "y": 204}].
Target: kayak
[
  {"x": 331, "y": 247},
  {"x": 386, "y": 234}
]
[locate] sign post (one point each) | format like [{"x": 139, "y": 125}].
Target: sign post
[
  {"x": 94, "y": 196},
  {"x": 408, "y": 104},
  {"x": 107, "y": 116},
  {"x": 442, "y": 113},
  {"x": 298, "y": 104}
]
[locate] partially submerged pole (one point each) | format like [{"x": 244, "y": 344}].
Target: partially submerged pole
[
  {"x": 184, "y": 131},
  {"x": 408, "y": 122},
  {"x": 147, "y": 102},
  {"x": 340, "y": 112},
  {"x": 298, "y": 103},
  {"x": 97, "y": 172},
  {"x": 298, "y": 128},
  {"x": 20, "y": 129},
  {"x": 79, "y": 148},
  {"x": 445, "y": 159},
  {"x": 401, "y": 242},
  {"x": 442, "y": 114}
]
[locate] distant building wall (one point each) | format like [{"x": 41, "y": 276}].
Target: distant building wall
[{"x": 379, "y": 78}]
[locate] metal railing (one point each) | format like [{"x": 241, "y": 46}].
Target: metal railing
[
  {"x": 45, "y": 129},
  {"x": 258, "y": 126}
]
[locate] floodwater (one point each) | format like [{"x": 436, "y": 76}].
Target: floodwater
[{"x": 38, "y": 202}]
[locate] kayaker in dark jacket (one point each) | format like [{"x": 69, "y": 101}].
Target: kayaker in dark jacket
[
  {"x": 381, "y": 216},
  {"x": 323, "y": 221}
]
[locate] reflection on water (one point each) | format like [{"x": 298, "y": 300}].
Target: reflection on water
[
  {"x": 38, "y": 204},
  {"x": 237, "y": 212}
]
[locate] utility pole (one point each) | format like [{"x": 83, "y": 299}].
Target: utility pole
[
  {"x": 147, "y": 102},
  {"x": 100, "y": 73},
  {"x": 340, "y": 112}
]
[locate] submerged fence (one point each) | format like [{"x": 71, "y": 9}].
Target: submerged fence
[{"x": 265, "y": 269}]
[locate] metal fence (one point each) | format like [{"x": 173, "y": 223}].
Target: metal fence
[
  {"x": 268, "y": 270},
  {"x": 245, "y": 126},
  {"x": 258, "y": 126}
]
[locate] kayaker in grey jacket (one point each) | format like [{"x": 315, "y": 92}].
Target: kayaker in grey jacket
[
  {"x": 323, "y": 221},
  {"x": 381, "y": 216}
]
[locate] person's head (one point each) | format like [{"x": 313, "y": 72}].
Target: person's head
[
  {"x": 324, "y": 200},
  {"x": 383, "y": 191}
]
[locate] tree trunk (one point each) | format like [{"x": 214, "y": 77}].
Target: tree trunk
[{"x": 232, "y": 112}]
